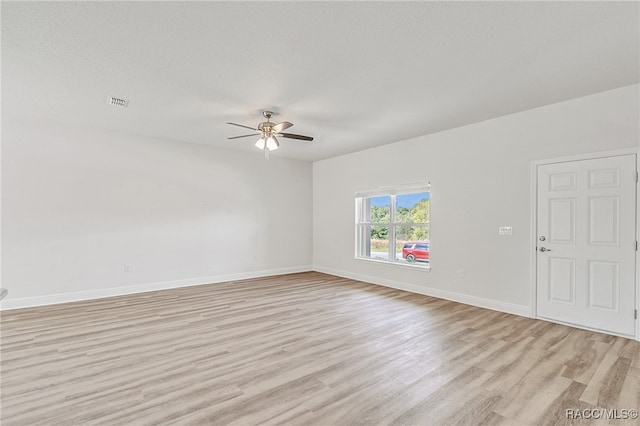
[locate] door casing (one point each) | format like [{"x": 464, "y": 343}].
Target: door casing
[{"x": 534, "y": 221}]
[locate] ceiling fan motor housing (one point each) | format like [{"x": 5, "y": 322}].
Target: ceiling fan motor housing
[{"x": 265, "y": 126}]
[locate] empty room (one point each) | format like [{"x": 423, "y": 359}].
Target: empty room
[{"x": 319, "y": 213}]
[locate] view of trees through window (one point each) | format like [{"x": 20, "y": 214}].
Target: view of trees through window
[{"x": 395, "y": 227}]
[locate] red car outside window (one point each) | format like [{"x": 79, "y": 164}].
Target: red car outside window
[{"x": 415, "y": 250}]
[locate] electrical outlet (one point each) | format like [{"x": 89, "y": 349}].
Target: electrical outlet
[
  {"x": 461, "y": 273},
  {"x": 127, "y": 268}
]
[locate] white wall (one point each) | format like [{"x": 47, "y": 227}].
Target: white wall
[
  {"x": 78, "y": 205},
  {"x": 480, "y": 177}
]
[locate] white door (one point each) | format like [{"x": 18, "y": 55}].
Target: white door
[{"x": 586, "y": 243}]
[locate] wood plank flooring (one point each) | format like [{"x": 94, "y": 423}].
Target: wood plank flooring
[{"x": 303, "y": 349}]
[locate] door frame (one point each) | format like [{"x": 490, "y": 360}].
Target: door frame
[{"x": 533, "y": 238}]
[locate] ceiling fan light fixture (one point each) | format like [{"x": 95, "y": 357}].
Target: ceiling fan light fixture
[
  {"x": 260, "y": 143},
  {"x": 272, "y": 143}
]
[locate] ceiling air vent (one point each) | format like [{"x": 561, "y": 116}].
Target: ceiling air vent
[{"x": 118, "y": 102}]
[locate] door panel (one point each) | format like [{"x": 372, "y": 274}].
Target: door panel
[
  {"x": 586, "y": 243},
  {"x": 604, "y": 178},
  {"x": 562, "y": 280},
  {"x": 604, "y": 285},
  {"x": 562, "y": 220},
  {"x": 562, "y": 181},
  {"x": 603, "y": 220}
]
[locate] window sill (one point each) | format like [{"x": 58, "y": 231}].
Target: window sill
[{"x": 426, "y": 268}]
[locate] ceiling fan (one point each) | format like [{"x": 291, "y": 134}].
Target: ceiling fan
[{"x": 268, "y": 132}]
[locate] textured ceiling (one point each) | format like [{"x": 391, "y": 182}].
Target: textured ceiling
[{"x": 352, "y": 74}]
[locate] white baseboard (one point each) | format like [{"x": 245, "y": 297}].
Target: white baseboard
[
  {"x": 495, "y": 305},
  {"x": 52, "y": 299}
]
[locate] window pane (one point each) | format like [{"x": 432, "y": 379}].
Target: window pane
[
  {"x": 380, "y": 209},
  {"x": 379, "y": 242},
  {"x": 412, "y": 244},
  {"x": 412, "y": 208},
  {"x": 417, "y": 233}
]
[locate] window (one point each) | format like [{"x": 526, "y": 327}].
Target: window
[{"x": 392, "y": 225}]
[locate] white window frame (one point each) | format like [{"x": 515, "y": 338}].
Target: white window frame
[{"x": 363, "y": 240}]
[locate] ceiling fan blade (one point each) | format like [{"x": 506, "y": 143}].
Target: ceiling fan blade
[
  {"x": 240, "y": 125},
  {"x": 243, "y": 136},
  {"x": 293, "y": 136},
  {"x": 281, "y": 126}
]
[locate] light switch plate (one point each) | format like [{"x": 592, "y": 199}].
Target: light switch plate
[{"x": 505, "y": 230}]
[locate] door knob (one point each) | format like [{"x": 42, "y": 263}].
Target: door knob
[{"x": 543, "y": 249}]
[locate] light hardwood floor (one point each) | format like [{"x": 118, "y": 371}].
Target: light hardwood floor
[{"x": 304, "y": 348}]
